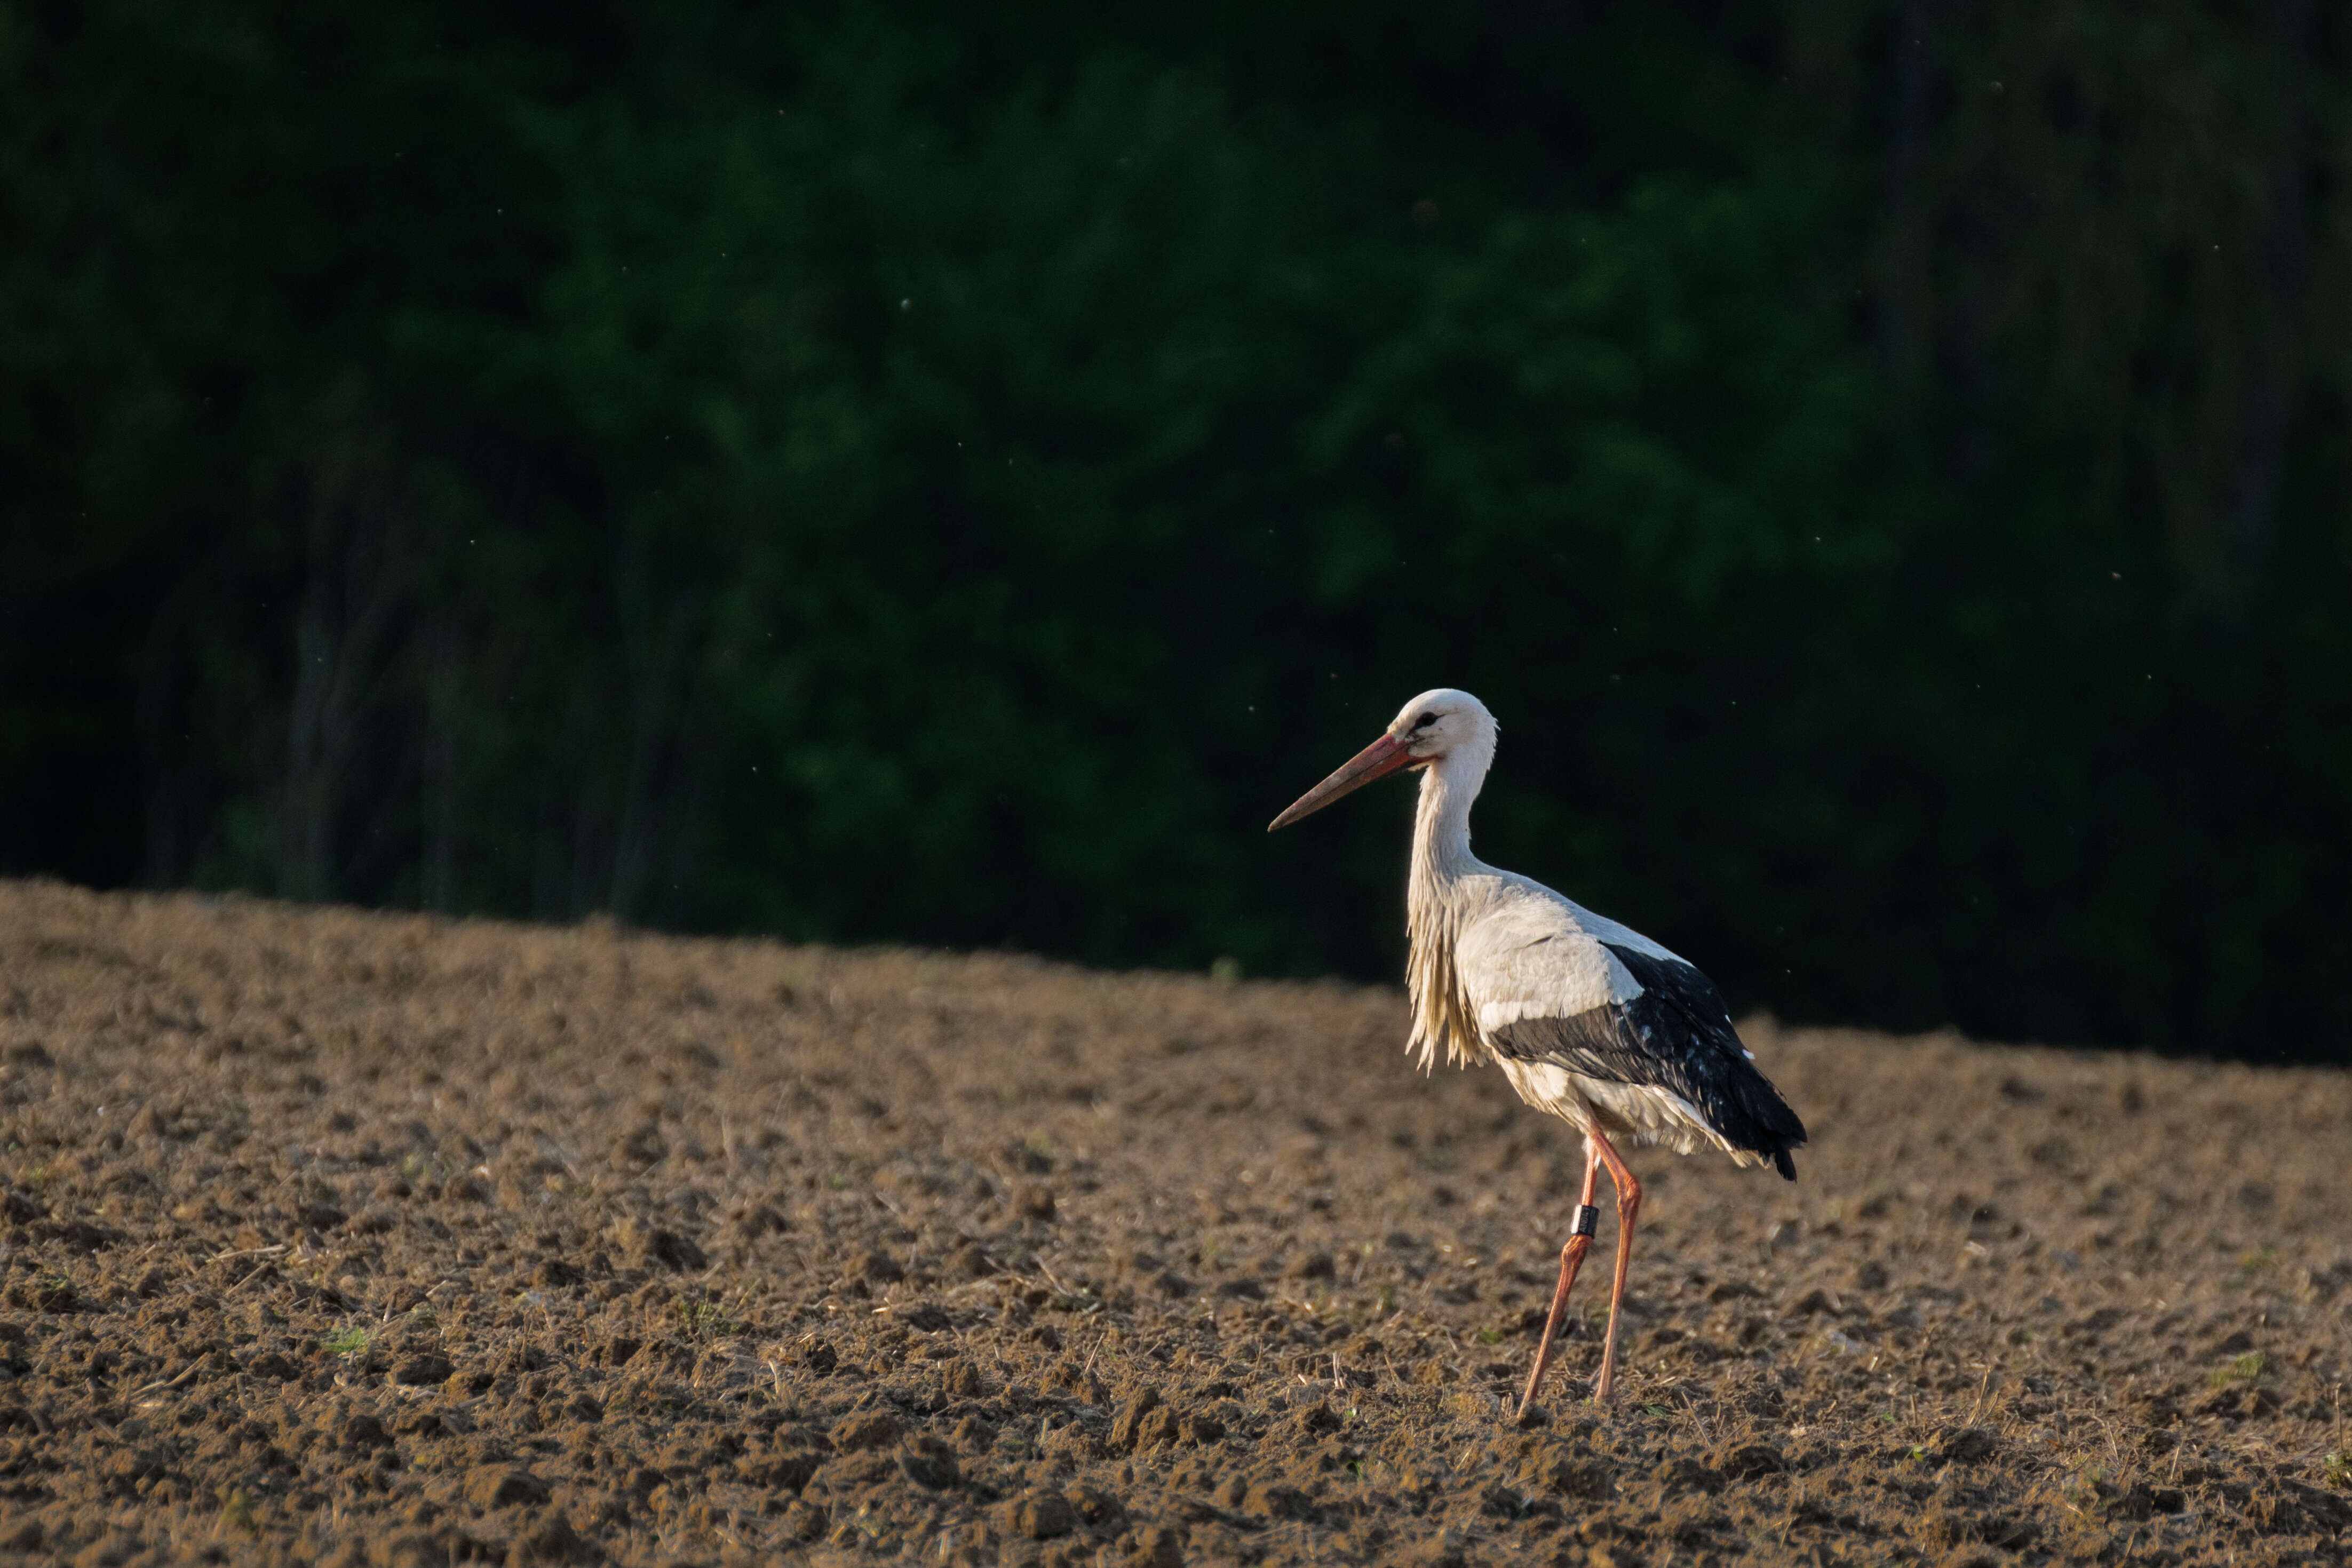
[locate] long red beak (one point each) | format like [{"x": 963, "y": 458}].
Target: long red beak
[{"x": 1381, "y": 757}]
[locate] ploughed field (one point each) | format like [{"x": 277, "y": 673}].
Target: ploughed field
[{"x": 372, "y": 1237}]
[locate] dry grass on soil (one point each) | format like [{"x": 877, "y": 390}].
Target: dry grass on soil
[{"x": 385, "y": 1238}]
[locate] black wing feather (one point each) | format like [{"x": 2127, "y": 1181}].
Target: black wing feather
[{"x": 1676, "y": 1034}]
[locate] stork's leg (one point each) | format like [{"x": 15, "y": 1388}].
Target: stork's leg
[
  {"x": 1628, "y": 1204},
  {"x": 1572, "y": 1258}
]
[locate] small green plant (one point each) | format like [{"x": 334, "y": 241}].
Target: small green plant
[
  {"x": 2259, "y": 1258},
  {"x": 38, "y": 1177},
  {"x": 836, "y": 1181},
  {"x": 237, "y": 1511},
  {"x": 1387, "y": 1300},
  {"x": 707, "y": 1321},
  {"x": 1490, "y": 1336},
  {"x": 2337, "y": 1468},
  {"x": 348, "y": 1340},
  {"x": 2244, "y": 1369}
]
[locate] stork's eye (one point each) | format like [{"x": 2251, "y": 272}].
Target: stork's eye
[{"x": 1425, "y": 721}]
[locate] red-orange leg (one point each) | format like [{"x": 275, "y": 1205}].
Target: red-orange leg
[
  {"x": 1572, "y": 1258},
  {"x": 1628, "y": 1204}
]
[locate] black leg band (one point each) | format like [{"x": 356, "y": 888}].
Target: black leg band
[{"x": 1587, "y": 1216}]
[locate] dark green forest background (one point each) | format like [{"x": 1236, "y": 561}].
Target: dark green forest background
[{"x": 950, "y": 473}]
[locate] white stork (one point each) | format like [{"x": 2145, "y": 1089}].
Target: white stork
[{"x": 1592, "y": 1022}]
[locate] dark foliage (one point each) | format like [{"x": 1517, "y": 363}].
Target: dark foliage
[{"x": 950, "y": 475}]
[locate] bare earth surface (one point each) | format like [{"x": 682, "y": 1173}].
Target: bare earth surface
[{"x": 380, "y": 1238}]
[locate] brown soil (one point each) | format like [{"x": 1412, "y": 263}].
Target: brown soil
[{"x": 367, "y": 1238}]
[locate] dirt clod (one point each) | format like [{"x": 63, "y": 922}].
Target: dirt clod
[
  {"x": 929, "y": 1462},
  {"x": 1314, "y": 1421},
  {"x": 1965, "y": 1446},
  {"x": 1041, "y": 1515},
  {"x": 1158, "y": 1546},
  {"x": 503, "y": 1485},
  {"x": 873, "y": 1429}
]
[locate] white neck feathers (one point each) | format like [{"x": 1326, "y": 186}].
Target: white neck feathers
[{"x": 1442, "y": 859}]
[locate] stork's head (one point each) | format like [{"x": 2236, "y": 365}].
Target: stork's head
[{"x": 1428, "y": 731}]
